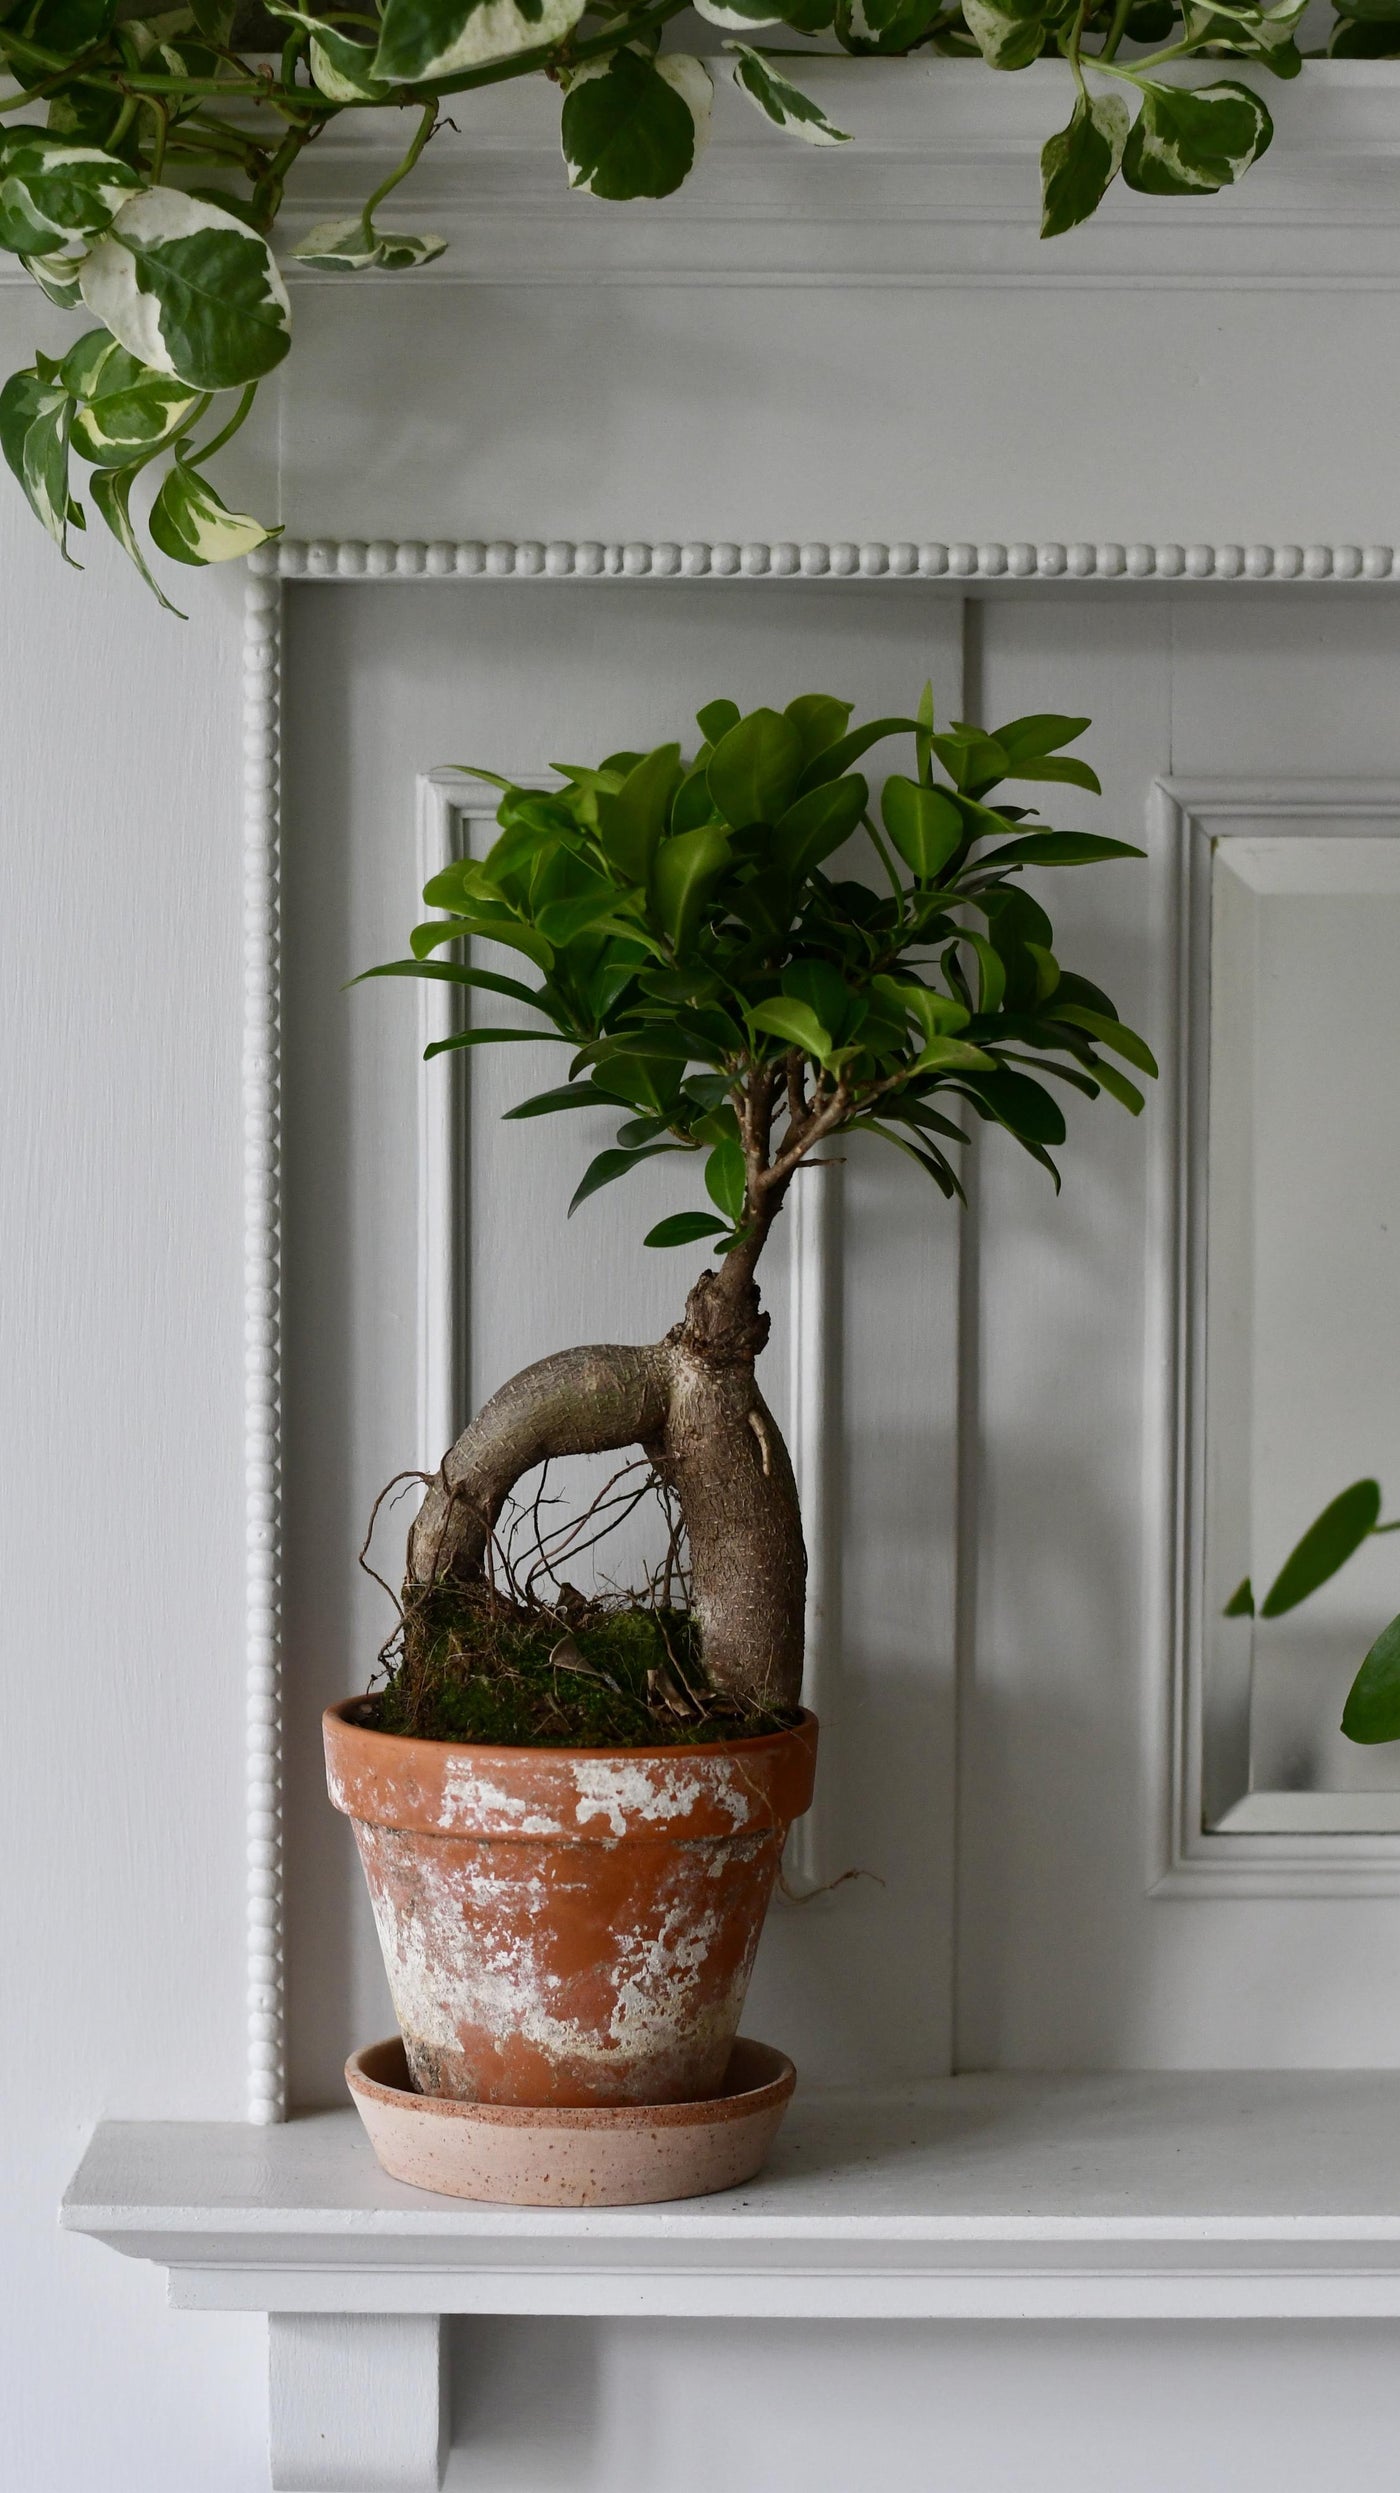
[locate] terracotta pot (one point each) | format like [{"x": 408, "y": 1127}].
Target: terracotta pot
[{"x": 568, "y": 1926}]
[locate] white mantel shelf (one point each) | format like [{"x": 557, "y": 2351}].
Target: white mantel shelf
[{"x": 1266, "y": 2196}]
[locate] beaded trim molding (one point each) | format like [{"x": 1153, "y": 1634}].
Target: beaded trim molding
[
  {"x": 413, "y": 558},
  {"x": 503, "y": 559}
]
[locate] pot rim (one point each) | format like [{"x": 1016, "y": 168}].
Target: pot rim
[{"x": 347, "y": 1711}]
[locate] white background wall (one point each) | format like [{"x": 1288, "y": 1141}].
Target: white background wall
[{"x": 1014, "y": 410}]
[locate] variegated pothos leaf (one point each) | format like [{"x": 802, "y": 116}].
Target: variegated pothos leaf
[
  {"x": 781, "y": 102},
  {"x": 190, "y": 290},
  {"x": 340, "y": 244},
  {"x": 632, "y": 126},
  {"x": 55, "y": 196},
  {"x": 436, "y": 38},
  {"x": 191, "y": 524}
]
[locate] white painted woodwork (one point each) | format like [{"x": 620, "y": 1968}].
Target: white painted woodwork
[
  {"x": 1288, "y": 1208},
  {"x": 869, "y": 358},
  {"x": 1263, "y": 2196},
  {"x": 356, "y": 2404}
]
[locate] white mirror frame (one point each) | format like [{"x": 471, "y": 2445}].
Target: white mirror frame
[{"x": 525, "y": 560}]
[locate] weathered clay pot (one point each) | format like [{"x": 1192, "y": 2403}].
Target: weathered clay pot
[{"x": 568, "y": 1926}]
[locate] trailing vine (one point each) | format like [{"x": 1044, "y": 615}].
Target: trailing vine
[{"x": 144, "y": 162}]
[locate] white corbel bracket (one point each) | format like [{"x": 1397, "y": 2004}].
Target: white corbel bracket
[{"x": 357, "y": 2402}]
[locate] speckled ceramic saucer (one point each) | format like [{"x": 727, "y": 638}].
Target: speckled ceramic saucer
[{"x": 605, "y": 2155}]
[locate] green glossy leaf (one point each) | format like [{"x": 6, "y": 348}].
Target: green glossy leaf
[
  {"x": 818, "y": 824},
  {"x": 189, "y": 290},
  {"x": 924, "y": 824},
  {"x": 716, "y": 719},
  {"x": 1110, "y": 1033},
  {"x": 778, "y": 99},
  {"x": 726, "y": 1179},
  {"x": 938, "y": 1016},
  {"x": 1195, "y": 139},
  {"x": 424, "y": 39},
  {"x": 753, "y": 769},
  {"x": 684, "y": 872},
  {"x": 1061, "y": 767},
  {"x": 942, "y": 1055},
  {"x": 974, "y": 761},
  {"x": 786, "y": 1018},
  {"x": 1115, "y": 1083},
  {"x": 609, "y": 1165},
  {"x": 1241, "y": 1602},
  {"x": 550, "y": 1103},
  {"x": 455, "y": 974},
  {"x": 683, "y": 1229},
  {"x": 1078, "y": 164},
  {"x": 1020, "y": 1104},
  {"x": 1372, "y": 1710},
  {"x": 835, "y": 759},
  {"x": 820, "y": 985},
  {"x": 1029, "y": 739},
  {"x": 632, "y": 127},
  {"x": 1059, "y": 848},
  {"x": 630, "y": 823},
  {"x": 487, "y": 1038},
  {"x": 191, "y": 524},
  {"x": 1326, "y": 1545},
  {"x": 819, "y": 720}
]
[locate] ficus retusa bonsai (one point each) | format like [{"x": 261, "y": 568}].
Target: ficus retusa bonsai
[{"x": 742, "y": 997}]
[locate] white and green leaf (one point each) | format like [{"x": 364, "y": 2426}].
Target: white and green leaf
[
  {"x": 340, "y": 66},
  {"x": 632, "y": 127},
  {"x": 734, "y": 16},
  {"x": 421, "y": 39},
  {"x": 780, "y": 102},
  {"x": 1006, "y": 38},
  {"x": 55, "y": 195},
  {"x": 1195, "y": 139},
  {"x": 340, "y": 244},
  {"x": 191, "y": 524},
  {"x": 125, "y": 411},
  {"x": 189, "y": 289},
  {"x": 1079, "y": 162},
  {"x": 36, "y": 415},
  {"x": 111, "y": 494},
  {"x": 58, "y": 273}
]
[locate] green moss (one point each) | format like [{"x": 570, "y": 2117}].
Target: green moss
[{"x": 604, "y": 1676}]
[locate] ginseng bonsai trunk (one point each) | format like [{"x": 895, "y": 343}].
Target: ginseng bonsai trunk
[{"x": 692, "y": 1403}]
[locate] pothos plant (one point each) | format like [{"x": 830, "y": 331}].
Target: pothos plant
[
  {"x": 144, "y": 159},
  {"x": 742, "y": 1001}
]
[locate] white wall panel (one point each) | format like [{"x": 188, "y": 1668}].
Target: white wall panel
[
  {"x": 121, "y": 1511},
  {"x": 1065, "y": 1958}
]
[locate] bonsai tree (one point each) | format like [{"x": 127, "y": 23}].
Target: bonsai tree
[
  {"x": 725, "y": 982},
  {"x": 1371, "y": 1714},
  {"x": 144, "y": 161}
]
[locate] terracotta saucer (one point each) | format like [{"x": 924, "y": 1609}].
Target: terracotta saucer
[{"x": 605, "y": 2155}]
